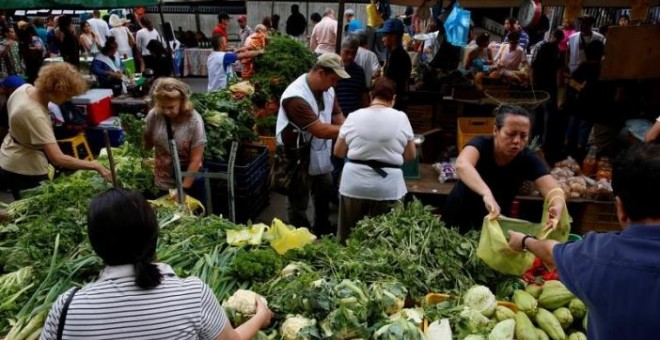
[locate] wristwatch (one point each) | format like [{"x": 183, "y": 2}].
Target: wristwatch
[{"x": 522, "y": 245}]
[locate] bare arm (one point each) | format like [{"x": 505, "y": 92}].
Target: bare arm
[
  {"x": 84, "y": 42},
  {"x": 467, "y": 172},
  {"x": 470, "y": 58},
  {"x": 249, "y": 54},
  {"x": 196, "y": 156},
  {"x": 249, "y": 329},
  {"x": 341, "y": 148},
  {"x": 324, "y": 131},
  {"x": 653, "y": 134},
  {"x": 551, "y": 191},
  {"x": 410, "y": 152},
  {"x": 57, "y": 158},
  {"x": 540, "y": 248}
]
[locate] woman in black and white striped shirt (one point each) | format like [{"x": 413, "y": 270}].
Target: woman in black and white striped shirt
[{"x": 135, "y": 298}]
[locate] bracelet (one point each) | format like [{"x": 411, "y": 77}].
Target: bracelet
[{"x": 522, "y": 243}]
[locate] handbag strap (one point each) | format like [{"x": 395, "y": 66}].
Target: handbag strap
[{"x": 65, "y": 311}]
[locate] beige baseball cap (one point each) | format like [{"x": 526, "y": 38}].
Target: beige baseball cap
[{"x": 333, "y": 61}]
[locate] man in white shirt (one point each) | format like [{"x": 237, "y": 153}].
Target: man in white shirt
[
  {"x": 324, "y": 34},
  {"x": 99, "y": 27},
  {"x": 577, "y": 43},
  {"x": 220, "y": 63},
  {"x": 367, "y": 59}
]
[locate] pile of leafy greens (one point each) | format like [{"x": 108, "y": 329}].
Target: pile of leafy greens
[
  {"x": 226, "y": 119},
  {"x": 283, "y": 62}
]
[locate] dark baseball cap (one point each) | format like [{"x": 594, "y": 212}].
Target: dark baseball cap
[{"x": 392, "y": 26}]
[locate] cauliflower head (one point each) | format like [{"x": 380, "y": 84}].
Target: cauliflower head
[
  {"x": 297, "y": 327},
  {"x": 244, "y": 301}
]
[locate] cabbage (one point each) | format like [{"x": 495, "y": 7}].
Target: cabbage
[
  {"x": 351, "y": 294},
  {"x": 481, "y": 299},
  {"x": 503, "y": 330},
  {"x": 388, "y": 297},
  {"x": 343, "y": 323},
  {"x": 399, "y": 329},
  {"x": 415, "y": 315}
]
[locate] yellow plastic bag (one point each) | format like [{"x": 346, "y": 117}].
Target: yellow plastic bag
[
  {"x": 191, "y": 204},
  {"x": 284, "y": 238},
  {"x": 248, "y": 235},
  {"x": 374, "y": 19},
  {"x": 494, "y": 246}
]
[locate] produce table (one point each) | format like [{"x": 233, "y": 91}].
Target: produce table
[
  {"x": 588, "y": 215},
  {"x": 86, "y": 62},
  {"x": 194, "y": 61}
]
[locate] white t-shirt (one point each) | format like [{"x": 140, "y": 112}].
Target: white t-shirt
[
  {"x": 101, "y": 29},
  {"x": 220, "y": 69},
  {"x": 144, "y": 36},
  {"x": 375, "y": 134},
  {"x": 368, "y": 60}
]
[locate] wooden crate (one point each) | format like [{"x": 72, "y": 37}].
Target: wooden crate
[
  {"x": 470, "y": 127},
  {"x": 598, "y": 216}
]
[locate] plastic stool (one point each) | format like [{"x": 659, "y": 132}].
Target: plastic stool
[{"x": 77, "y": 147}]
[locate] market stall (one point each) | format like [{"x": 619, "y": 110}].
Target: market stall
[{"x": 588, "y": 214}]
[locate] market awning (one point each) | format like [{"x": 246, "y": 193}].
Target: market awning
[
  {"x": 74, "y": 4},
  {"x": 515, "y": 3}
]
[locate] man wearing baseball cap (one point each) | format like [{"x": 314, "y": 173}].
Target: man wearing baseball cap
[
  {"x": 308, "y": 120},
  {"x": 7, "y": 87},
  {"x": 246, "y": 30},
  {"x": 397, "y": 65}
]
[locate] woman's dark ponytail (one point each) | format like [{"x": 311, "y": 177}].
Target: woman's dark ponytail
[
  {"x": 123, "y": 229},
  {"x": 147, "y": 275}
]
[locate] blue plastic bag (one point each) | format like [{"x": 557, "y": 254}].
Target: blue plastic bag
[{"x": 457, "y": 26}]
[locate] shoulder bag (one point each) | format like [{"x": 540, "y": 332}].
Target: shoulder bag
[
  {"x": 65, "y": 311},
  {"x": 290, "y": 167}
]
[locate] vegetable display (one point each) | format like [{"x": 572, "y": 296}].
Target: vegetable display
[
  {"x": 366, "y": 289},
  {"x": 226, "y": 119},
  {"x": 284, "y": 60}
]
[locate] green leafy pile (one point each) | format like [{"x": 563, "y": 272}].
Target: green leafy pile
[
  {"x": 44, "y": 250},
  {"x": 256, "y": 265},
  {"x": 409, "y": 244},
  {"x": 133, "y": 135},
  {"x": 226, "y": 119},
  {"x": 283, "y": 62}
]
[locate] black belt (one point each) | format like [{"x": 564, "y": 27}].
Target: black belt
[{"x": 376, "y": 165}]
